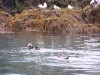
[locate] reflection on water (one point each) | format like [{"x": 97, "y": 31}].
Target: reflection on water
[{"x": 16, "y": 59}]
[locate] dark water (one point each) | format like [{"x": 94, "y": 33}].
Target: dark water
[{"x": 16, "y": 59}]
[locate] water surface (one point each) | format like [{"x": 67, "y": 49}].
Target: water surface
[{"x": 83, "y": 52}]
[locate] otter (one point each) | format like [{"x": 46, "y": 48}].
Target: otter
[{"x": 30, "y": 46}]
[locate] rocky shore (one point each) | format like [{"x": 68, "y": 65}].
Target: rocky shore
[{"x": 64, "y": 21}]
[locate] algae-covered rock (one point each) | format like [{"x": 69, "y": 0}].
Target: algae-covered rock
[
  {"x": 51, "y": 21},
  {"x": 39, "y": 19},
  {"x": 4, "y": 20},
  {"x": 91, "y": 14}
]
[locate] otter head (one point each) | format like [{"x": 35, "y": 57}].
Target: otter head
[{"x": 30, "y": 46}]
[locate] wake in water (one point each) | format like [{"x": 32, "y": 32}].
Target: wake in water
[
  {"x": 53, "y": 57},
  {"x": 45, "y": 54},
  {"x": 61, "y": 57}
]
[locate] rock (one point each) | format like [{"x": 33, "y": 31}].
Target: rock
[
  {"x": 4, "y": 20},
  {"x": 92, "y": 13},
  {"x": 51, "y": 21}
]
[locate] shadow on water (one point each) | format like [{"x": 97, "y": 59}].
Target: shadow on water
[{"x": 83, "y": 52}]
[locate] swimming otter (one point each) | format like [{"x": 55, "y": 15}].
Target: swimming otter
[
  {"x": 61, "y": 55},
  {"x": 30, "y": 46},
  {"x": 67, "y": 58}
]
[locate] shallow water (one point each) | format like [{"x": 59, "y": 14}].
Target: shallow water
[{"x": 16, "y": 59}]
